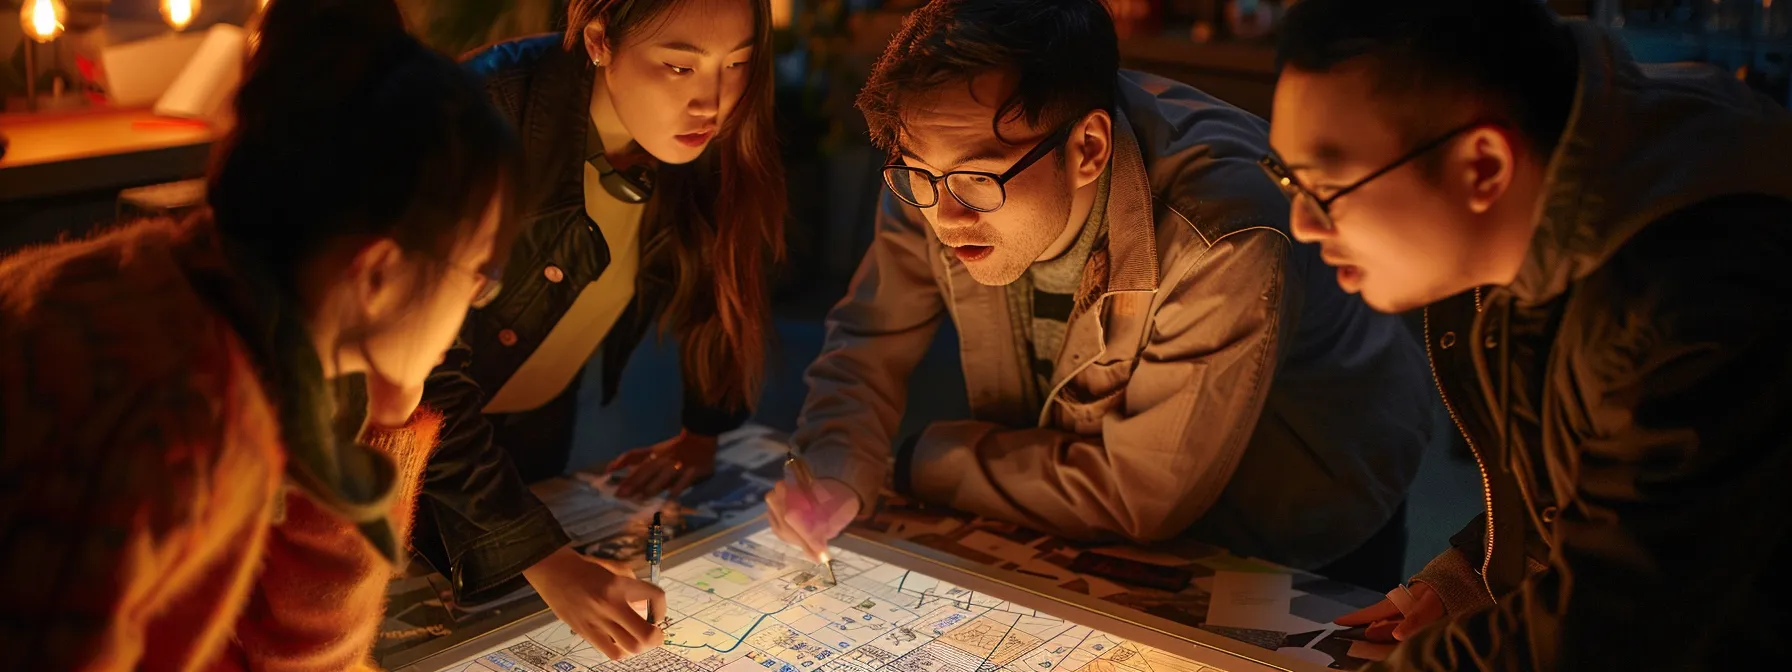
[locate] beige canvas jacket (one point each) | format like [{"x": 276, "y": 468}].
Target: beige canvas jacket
[{"x": 1197, "y": 316}]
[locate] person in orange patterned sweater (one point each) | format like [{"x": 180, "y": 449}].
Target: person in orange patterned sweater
[{"x": 208, "y": 450}]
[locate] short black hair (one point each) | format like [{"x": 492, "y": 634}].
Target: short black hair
[
  {"x": 1514, "y": 53},
  {"x": 1064, "y": 52}
]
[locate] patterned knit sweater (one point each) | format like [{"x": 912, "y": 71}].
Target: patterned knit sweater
[{"x": 143, "y": 474}]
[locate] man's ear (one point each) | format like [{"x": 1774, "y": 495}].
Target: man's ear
[
  {"x": 1488, "y": 161},
  {"x": 1091, "y": 145},
  {"x": 597, "y": 46}
]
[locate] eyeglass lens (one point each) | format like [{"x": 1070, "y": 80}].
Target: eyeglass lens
[{"x": 976, "y": 191}]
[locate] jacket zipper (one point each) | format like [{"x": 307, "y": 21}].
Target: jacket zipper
[{"x": 1486, "y": 484}]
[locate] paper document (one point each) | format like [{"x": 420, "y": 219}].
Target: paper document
[
  {"x": 205, "y": 86},
  {"x": 1250, "y": 600},
  {"x": 137, "y": 73}
]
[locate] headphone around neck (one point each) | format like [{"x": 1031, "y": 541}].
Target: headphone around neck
[{"x": 633, "y": 185}]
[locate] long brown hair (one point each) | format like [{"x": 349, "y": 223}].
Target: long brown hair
[{"x": 717, "y": 223}]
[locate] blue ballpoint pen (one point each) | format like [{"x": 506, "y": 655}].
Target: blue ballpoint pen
[{"x": 656, "y": 536}]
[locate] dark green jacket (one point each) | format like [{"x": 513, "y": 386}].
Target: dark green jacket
[{"x": 1629, "y": 396}]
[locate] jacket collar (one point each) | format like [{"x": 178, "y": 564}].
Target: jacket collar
[
  {"x": 556, "y": 119},
  {"x": 1642, "y": 142},
  {"x": 1132, "y": 224}
]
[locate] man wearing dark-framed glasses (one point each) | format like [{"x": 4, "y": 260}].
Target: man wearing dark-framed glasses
[
  {"x": 1600, "y": 249},
  {"x": 1146, "y": 354}
]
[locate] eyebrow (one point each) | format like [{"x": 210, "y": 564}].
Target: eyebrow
[
  {"x": 700, "y": 51},
  {"x": 983, "y": 154},
  {"x": 1325, "y": 155}
]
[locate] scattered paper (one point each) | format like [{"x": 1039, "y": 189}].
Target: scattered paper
[
  {"x": 1103, "y": 588},
  {"x": 909, "y": 529},
  {"x": 984, "y": 542},
  {"x": 1233, "y": 563},
  {"x": 1046, "y": 570},
  {"x": 1314, "y": 656},
  {"x": 137, "y": 73},
  {"x": 1326, "y": 631},
  {"x": 1142, "y": 555},
  {"x": 1250, "y": 600},
  {"x": 1370, "y": 650},
  {"x": 206, "y": 84},
  {"x": 751, "y": 447},
  {"x": 1292, "y": 623}
]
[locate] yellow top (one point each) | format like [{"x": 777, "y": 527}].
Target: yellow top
[{"x": 576, "y": 336}]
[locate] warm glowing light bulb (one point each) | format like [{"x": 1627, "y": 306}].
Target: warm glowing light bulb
[
  {"x": 43, "y": 19},
  {"x": 179, "y": 13},
  {"x": 781, "y": 12}
]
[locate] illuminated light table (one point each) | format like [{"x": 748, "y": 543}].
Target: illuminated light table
[{"x": 743, "y": 601}]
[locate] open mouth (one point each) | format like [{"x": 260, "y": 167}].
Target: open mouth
[
  {"x": 970, "y": 253},
  {"x": 695, "y": 139}
]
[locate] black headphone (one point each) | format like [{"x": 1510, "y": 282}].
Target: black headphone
[{"x": 633, "y": 186}]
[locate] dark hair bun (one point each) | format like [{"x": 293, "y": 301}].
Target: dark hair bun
[
  {"x": 347, "y": 125},
  {"x": 293, "y": 23},
  {"x": 314, "y": 54}
]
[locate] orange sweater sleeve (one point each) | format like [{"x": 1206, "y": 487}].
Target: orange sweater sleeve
[
  {"x": 322, "y": 593},
  {"x": 137, "y": 498}
]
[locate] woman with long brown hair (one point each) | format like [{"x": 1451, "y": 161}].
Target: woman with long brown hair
[{"x": 656, "y": 199}]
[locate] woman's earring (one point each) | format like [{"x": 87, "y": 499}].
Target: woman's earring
[{"x": 597, "y": 62}]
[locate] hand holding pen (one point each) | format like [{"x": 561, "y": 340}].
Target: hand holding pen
[
  {"x": 598, "y": 601},
  {"x": 808, "y": 512}
]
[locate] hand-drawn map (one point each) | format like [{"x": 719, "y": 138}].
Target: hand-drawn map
[{"x": 755, "y": 606}]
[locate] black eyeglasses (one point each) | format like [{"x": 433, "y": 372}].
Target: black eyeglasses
[
  {"x": 1322, "y": 207},
  {"x": 977, "y": 190}
]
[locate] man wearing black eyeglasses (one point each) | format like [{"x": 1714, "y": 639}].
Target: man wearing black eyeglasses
[
  {"x": 1604, "y": 254},
  {"x": 1146, "y": 353}
]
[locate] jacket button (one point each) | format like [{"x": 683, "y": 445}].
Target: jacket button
[
  {"x": 1447, "y": 340},
  {"x": 1549, "y": 514},
  {"x": 507, "y": 337},
  {"x": 554, "y": 274}
]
